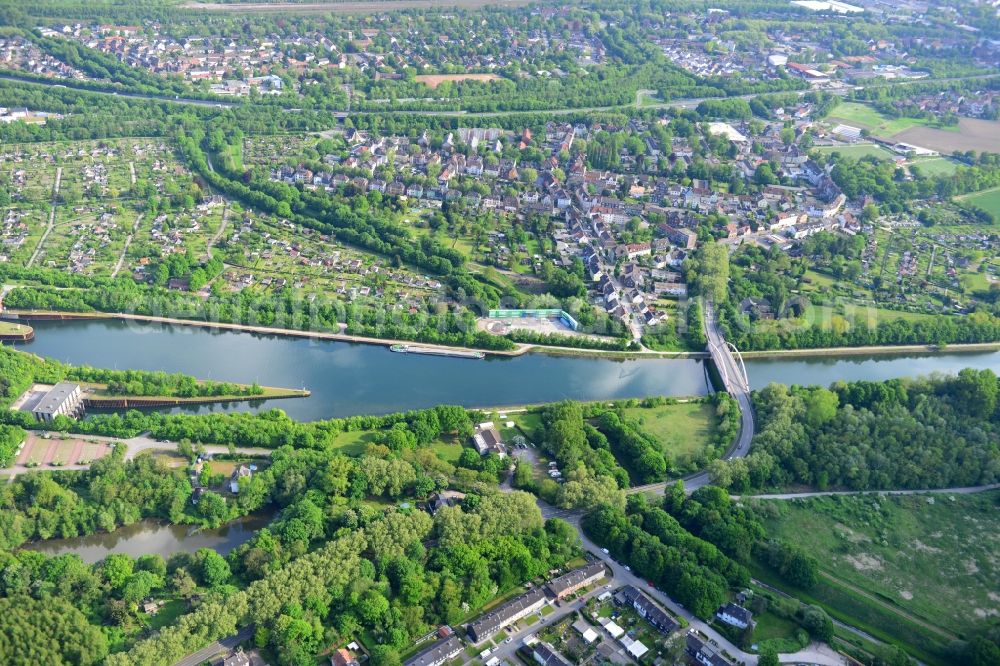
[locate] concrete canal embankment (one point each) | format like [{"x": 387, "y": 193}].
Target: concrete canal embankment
[{"x": 139, "y": 402}]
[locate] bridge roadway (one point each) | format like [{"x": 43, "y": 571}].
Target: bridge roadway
[{"x": 736, "y": 383}]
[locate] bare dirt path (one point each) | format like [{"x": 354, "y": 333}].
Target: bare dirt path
[
  {"x": 52, "y": 220},
  {"x": 218, "y": 234},
  {"x": 128, "y": 241}
]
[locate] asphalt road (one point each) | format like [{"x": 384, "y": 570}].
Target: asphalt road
[
  {"x": 505, "y": 651},
  {"x": 737, "y": 386},
  {"x": 816, "y": 653},
  {"x": 218, "y": 647}
]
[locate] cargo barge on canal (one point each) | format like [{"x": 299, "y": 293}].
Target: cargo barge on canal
[{"x": 436, "y": 351}]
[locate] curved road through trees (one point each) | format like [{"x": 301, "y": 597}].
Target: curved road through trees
[{"x": 735, "y": 381}]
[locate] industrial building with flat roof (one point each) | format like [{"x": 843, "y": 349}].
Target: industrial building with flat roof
[
  {"x": 63, "y": 399},
  {"x": 437, "y": 654},
  {"x": 510, "y": 612}
]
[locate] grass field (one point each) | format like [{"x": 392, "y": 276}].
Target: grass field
[
  {"x": 866, "y": 117},
  {"x": 845, "y": 314},
  {"x": 168, "y": 614},
  {"x": 936, "y": 166},
  {"x": 449, "y": 450},
  {"x": 10, "y": 328},
  {"x": 779, "y": 633},
  {"x": 988, "y": 200},
  {"x": 353, "y": 443},
  {"x": 682, "y": 428},
  {"x": 927, "y": 560},
  {"x": 858, "y": 151}
]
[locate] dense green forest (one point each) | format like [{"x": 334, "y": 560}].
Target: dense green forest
[
  {"x": 492, "y": 544},
  {"x": 922, "y": 433},
  {"x": 697, "y": 547}
]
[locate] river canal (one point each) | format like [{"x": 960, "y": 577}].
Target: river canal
[{"x": 347, "y": 379}]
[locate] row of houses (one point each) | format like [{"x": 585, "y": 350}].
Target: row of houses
[{"x": 533, "y": 600}]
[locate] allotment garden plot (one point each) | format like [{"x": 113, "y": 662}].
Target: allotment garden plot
[
  {"x": 267, "y": 253},
  {"x": 21, "y": 229},
  {"x": 86, "y": 239}
]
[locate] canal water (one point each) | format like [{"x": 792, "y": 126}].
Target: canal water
[
  {"x": 148, "y": 537},
  {"x": 348, "y": 379}
]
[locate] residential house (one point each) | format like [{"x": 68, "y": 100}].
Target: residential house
[
  {"x": 686, "y": 239},
  {"x": 569, "y": 583},
  {"x": 546, "y": 655},
  {"x": 240, "y": 473},
  {"x": 486, "y": 439},
  {"x": 512, "y": 611},
  {"x": 656, "y": 616},
  {"x": 438, "y": 653},
  {"x": 735, "y": 616},
  {"x": 344, "y": 656},
  {"x": 703, "y": 652}
]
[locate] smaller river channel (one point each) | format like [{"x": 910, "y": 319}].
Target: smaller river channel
[{"x": 148, "y": 537}]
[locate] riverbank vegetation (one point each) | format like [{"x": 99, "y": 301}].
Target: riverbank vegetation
[
  {"x": 163, "y": 384},
  {"x": 21, "y": 370}
]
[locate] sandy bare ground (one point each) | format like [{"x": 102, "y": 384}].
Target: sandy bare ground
[
  {"x": 346, "y": 7},
  {"x": 972, "y": 134},
  {"x": 434, "y": 80}
]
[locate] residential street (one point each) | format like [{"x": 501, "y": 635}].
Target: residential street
[
  {"x": 506, "y": 650},
  {"x": 218, "y": 647},
  {"x": 817, "y": 653}
]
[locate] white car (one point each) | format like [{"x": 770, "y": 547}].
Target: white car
[
  {"x": 605, "y": 551},
  {"x": 628, "y": 568}
]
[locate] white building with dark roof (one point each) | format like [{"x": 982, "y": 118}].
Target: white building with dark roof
[
  {"x": 487, "y": 440},
  {"x": 735, "y": 616},
  {"x": 63, "y": 399}
]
